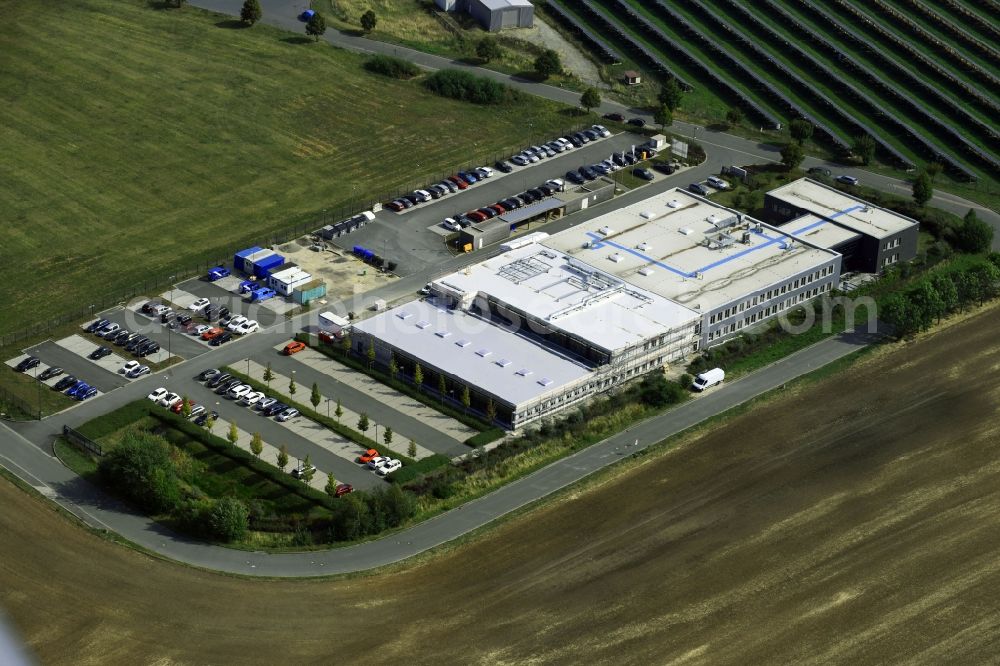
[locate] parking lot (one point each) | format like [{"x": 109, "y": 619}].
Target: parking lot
[{"x": 407, "y": 239}]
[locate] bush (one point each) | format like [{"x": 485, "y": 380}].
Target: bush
[
  {"x": 685, "y": 381},
  {"x": 141, "y": 469},
  {"x": 228, "y": 519},
  {"x": 395, "y": 68},
  {"x": 467, "y": 87}
]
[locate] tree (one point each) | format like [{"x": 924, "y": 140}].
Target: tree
[
  {"x": 734, "y": 116},
  {"x": 316, "y": 26},
  {"x": 933, "y": 169},
  {"x": 186, "y": 407},
  {"x": 418, "y": 375},
  {"x": 307, "y": 470},
  {"x": 466, "y": 398},
  {"x": 387, "y": 436},
  {"x": 291, "y": 385},
  {"x": 791, "y": 155},
  {"x": 251, "y": 12},
  {"x": 864, "y": 148},
  {"x": 928, "y": 304},
  {"x": 234, "y": 433},
  {"x": 590, "y": 99},
  {"x": 442, "y": 387},
  {"x": 268, "y": 376},
  {"x": 283, "y": 457},
  {"x": 371, "y": 353},
  {"x": 393, "y": 367},
  {"x": 228, "y": 520},
  {"x": 974, "y": 235},
  {"x": 331, "y": 486},
  {"x": 945, "y": 287},
  {"x": 801, "y": 129},
  {"x": 663, "y": 117},
  {"x": 345, "y": 345},
  {"x": 411, "y": 450},
  {"x": 368, "y": 21},
  {"x": 140, "y": 467},
  {"x": 339, "y": 411},
  {"x": 363, "y": 423},
  {"x": 922, "y": 189},
  {"x": 210, "y": 423},
  {"x": 548, "y": 64},
  {"x": 670, "y": 95},
  {"x": 488, "y": 49},
  {"x": 491, "y": 411},
  {"x": 315, "y": 398},
  {"x": 256, "y": 444}
]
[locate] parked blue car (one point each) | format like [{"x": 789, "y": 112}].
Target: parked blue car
[
  {"x": 262, "y": 294},
  {"x": 467, "y": 177},
  {"x": 78, "y": 389},
  {"x": 218, "y": 273},
  {"x": 89, "y": 393},
  {"x": 247, "y": 286}
]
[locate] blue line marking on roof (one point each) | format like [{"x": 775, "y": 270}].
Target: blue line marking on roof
[{"x": 598, "y": 243}]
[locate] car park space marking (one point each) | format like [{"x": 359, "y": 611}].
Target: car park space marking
[
  {"x": 35, "y": 372},
  {"x": 349, "y": 417},
  {"x": 84, "y": 347},
  {"x": 386, "y": 395}
]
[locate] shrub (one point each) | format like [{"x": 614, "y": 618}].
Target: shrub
[
  {"x": 467, "y": 87},
  {"x": 395, "y": 68},
  {"x": 140, "y": 468},
  {"x": 228, "y": 519}
]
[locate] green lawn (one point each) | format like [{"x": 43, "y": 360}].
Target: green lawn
[
  {"x": 138, "y": 141},
  {"x": 27, "y": 392}
]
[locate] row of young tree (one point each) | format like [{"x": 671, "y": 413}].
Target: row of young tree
[{"x": 932, "y": 297}]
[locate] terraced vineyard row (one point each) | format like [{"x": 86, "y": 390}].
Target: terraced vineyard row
[{"x": 923, "y": 85}]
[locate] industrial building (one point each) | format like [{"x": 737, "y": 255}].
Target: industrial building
[
  {"x": 494, "y": 15},
  {"x": 871, "y": 238},
  {"x": 551, "y": 320}
]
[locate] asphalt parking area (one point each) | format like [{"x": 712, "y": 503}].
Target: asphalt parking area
[
  {"x": 411, "y": 239},
  {"x": 217, "y": 292},
  {"x": 69, "y": 355},
  {"x": 172, "y": 343}
]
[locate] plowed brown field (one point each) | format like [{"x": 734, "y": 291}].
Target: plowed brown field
[{"x": 854, "y": 521}]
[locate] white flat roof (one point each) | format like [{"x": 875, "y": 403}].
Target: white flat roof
[
  {"x": 848, "y": 211},
  {"x": 819, "y": 231},
  {"x": 571, "y": 296},
  {"x": 678, "y": 246},
  {"x": 291, "y": 276},
  {"x": 477, "y": 352}
]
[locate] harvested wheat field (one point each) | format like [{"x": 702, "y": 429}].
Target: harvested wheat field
[{"x": 856, "y": 520}]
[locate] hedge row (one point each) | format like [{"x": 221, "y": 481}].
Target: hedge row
[
  {"x": 467, "y": 87},
  {"x": 396, "y": 68}
]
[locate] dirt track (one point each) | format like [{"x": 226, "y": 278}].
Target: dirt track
[{"x": 857, "y": 521}]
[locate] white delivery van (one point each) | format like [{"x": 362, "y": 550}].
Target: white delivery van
[{"x": 708, "y": 378}]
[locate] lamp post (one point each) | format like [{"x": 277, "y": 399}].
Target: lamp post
[
  {"x": 376, "y": 433},
  {"x": 170, "y": 336},
  {"x": 327, "y": 408},
  {"x": 39, "y": 385},
  {"x": 248, "y": 366}
]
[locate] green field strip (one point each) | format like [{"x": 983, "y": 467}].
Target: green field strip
[
  {"x": 961, "y": 46},
  {"x": 702, "y": 57},
  {"x": 877, "y": 95},
  {"x": 965, "y": 17},
  {"x": 931, "y": 64}
]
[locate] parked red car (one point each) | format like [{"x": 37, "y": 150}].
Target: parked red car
[
  {"x": 342, "y": 489},
  {"x": 367, "y": 456},
  {"x": 459, "y": 183},
  {"x": 294, "y": 347}
]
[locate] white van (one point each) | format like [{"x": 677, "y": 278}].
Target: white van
[{"x": 708, "y": 378}]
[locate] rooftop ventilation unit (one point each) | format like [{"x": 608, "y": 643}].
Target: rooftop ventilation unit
[
  {"x": 587, "y": 244},
  {"x": 699, "y": 275},
  {"x": 646, "y": 270},
  {"x": 713, "y": 219},
  {"x": 617, "y": 258},
  {"x": 404, "y": 315},
  {"x": 648, "y": 215},
  {"x": 484, "y": 352},
  {"x": 606, "y": 230},
  {"x": 644, "y": 246},
  {"x": 548, "y": 253},
  {"x": 443, "y": 334},
  {"x": 745, "y": 238},
  {"x": 673, "y": 203},
  {"x": 687, "y": 231},
  {"x": 545, "y": 381},
  {"x": 463, "y": 343},
  {"x": 423, "y": 324},
  {"x": 524, "y": 372},
  {"x": 503, "y": 363}
]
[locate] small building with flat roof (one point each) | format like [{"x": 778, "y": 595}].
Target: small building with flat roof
[{"x": 885, "y": 237}]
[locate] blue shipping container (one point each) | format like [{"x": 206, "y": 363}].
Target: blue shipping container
[
  {"x": 263, "y": 265},
  {"x": 241, "y": 255}
]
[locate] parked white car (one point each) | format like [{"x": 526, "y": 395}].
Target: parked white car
[
  {"x": 378, "y": 460},
  {"x": 252, "y": 398},
  {"x": 199, "y": 305},
  {"x": 239, "y": 391},
  {"x": 128, "y": 367},
  {"x": 485, "y": 169},
  {"x": 288, "y": 414},
  {"x": 157, "y": 395},
  {"x": 200, "y": 328},
  {"x": 249, "y": 326},
  {"x": 388, "y": 468},
  {"x": 717, "y": 183},
  {"x": 235, "y": 322},
  {"x": 138, "y": 371},
  {"x": 602, "y": 130},
  {"x": 451, "y": 225},
  {"x": 169, "y": 400}
]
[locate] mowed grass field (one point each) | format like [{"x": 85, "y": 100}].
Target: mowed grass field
[{"x": 136, "y": 141}]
